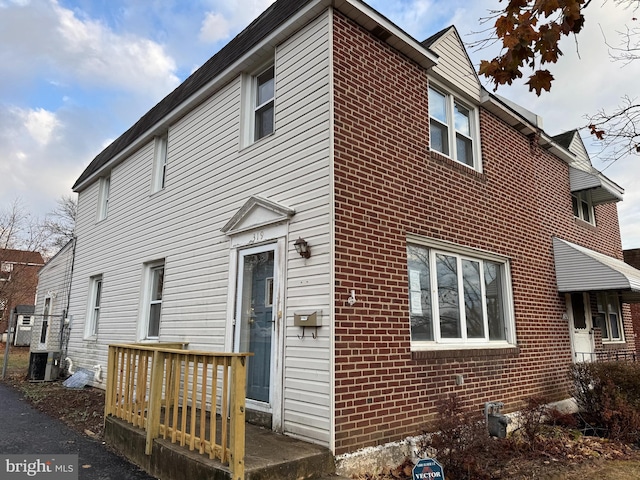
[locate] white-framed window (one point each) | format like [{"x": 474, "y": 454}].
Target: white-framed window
[
  {"x": 583, "y": 207},
  {"x": 103, "y": 199},
  {"x": 93, "y": 311},
  {"x": 160, "y": 153},
  {"x": 458, "y": 296},
  {"x": 46, "y": 319},
  {"x": 453, "y": 127},
  {"x": 264, "y": 103},
  {"x": 152, "y": 301},
  {"x": 609, "y": 318}
]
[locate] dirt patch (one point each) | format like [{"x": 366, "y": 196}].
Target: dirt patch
[{"x": 81, "y": 409}]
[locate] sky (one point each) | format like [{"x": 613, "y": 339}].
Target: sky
[{"x": 75, "y": 74}]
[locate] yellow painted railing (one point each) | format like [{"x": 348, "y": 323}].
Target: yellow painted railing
[{"x": 185, "y": 396}]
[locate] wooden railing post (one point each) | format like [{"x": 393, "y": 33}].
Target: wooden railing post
[
  {"x": 155, "y": 399},
  {"x": 238, "y": 395},
  {"x": 110, "y": 399}
]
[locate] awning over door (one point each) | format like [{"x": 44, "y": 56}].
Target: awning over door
[{"x": 579, "y": 269}]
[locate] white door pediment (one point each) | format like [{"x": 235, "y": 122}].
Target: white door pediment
[{"x": 257, "y": 212}]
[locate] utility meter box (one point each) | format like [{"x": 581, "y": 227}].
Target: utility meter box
[{"x": 313, "y": 319}]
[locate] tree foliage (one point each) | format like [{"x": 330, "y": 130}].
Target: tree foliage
[{"x": 530, "y": 32}]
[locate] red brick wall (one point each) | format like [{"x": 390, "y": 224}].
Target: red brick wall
[
  {"x": 387, "y": 184},
  {"x": 632, "y": 257}
]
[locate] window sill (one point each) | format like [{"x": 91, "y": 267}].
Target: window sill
[
  {"x": 584, "y": 224},
  {"x": 461, "y": 167},
  {"x": 467, "y": 351}
]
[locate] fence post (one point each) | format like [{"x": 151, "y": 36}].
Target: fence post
[
  {"x": 155, "y": 399},
  {"x": 110, "y": 399},
  {"x": 238, "y": 396}
]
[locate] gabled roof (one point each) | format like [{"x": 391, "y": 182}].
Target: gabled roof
[
  {"x": 21, "y": 256},
  {"x": 276, "y": 16},
  {"x": 24, "y": 309}
]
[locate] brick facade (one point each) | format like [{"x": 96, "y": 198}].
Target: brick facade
[
  {"x": 632, "y": 257},
  {"x": 387, "y": 185}
]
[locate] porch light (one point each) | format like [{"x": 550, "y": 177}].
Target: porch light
[{"x": 302, "y": 247}]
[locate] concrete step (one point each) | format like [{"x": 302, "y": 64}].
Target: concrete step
[{"x": 268, "y": 456}]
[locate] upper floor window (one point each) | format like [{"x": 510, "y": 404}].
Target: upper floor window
[
  {"x": 582, "y": 206},
  {"x": 103, "y": 200},
  {"x": 458, "y": 297},
  {"x": 453, "y": 128},
  {"x": 264, "y": 95},
  {"x": 160, "y": 162},
  {"x": 609, "y": 318},
  {"x": 93, "y": 314}
]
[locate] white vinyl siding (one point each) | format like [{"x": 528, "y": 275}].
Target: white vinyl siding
[
  {"x": 211, "y": 178},
  {"x": 455, "y": 66}
]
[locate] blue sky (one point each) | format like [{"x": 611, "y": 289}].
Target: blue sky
[{"x": 75, "y": 74}]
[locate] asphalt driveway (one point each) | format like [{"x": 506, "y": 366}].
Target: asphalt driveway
[{"x": 24, "y": 430}]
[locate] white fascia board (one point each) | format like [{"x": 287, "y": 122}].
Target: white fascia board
[
  {"x": 524, "y": 125},
  {"x": 398, "y": 39},
  {"x": 273, "y": 39}
]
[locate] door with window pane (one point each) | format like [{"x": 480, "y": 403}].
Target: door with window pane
[
  {"x": 255, "y": 318},
  {"x": 581, "y": 327}
]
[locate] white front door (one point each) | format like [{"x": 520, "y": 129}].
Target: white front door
[
  {"x": 581, "y": 326},
  {"x": 256, "y": 320}
]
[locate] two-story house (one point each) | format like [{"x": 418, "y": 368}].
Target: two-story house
[
  {"x": 326, "y": 167},
  {"x": 18, "y": 281}
]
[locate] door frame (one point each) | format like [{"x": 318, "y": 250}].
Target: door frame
[
  {"x": 572, "y": 329},
  {"x": 267, "y": 238}
]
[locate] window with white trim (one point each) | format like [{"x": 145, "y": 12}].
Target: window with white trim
[
  {"x": 609, "y": 318},
  {"x": 583, "y": 207},
  {"x": 103, "y": 200},
  {"x": 453, "y": 128},
  {"x": 264, "y": 103},
  {"x": 154, "y": 278},
  {"x": 93, "y": 313},
  {"x": 160, "y": 162},
  {"x": 459, "y": 297}
]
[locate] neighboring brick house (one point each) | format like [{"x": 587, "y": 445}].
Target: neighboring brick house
[
  {"x": 632, "y": 257},
  {"x": 18, "y": 281},
  {"x": 456, "y": 248}
]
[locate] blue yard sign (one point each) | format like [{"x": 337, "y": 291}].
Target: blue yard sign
[{"x": 428, "y": 469}]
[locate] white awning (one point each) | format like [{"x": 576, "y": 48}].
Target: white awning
[
  {"x": 579, "y": 269},
  {"x": 602, "y": 189}
]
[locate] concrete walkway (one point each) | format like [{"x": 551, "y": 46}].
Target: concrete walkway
[{"x": 24, "y": 430}]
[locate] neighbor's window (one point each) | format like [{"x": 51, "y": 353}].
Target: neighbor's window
[
  {"x": 264, "y": 94},
  {"x": 582, "y": 206},
  {"x": 103, "y": 201},
  {"x": 453, "y": 128},
  {"x": 458, "y": 298},
  {"x": 46, "y": 318},
  {"x": 160, "y": 162},
  {"x": 609, "y": 318},
  {"x": 95, "y": 297},
  {"x": 155, "y": 283}
]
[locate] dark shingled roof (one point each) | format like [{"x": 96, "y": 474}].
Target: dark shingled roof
[
  {"x": 268, "y": 21},
  {"x": 25, "y": 309},
  {"x": 431, "y": 40},
  {"x": 564, "y": 139},
  {"x": 20, "y": 256}
]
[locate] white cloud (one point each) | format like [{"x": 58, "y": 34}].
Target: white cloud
[
  {"x": 214, "y": 27},
  {"x": 227, "y": 18},
  {"x": 40, "y": 124},
  {"x": 44, "y": 37}
]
